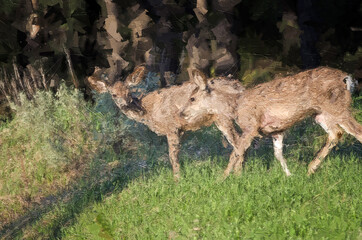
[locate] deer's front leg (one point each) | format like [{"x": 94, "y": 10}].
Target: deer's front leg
[
  {"x": 233, "y": 160},
  {"x": 240, "y": 143},
  {"x": 243, "y": 144},
  {"x": 226, "y": 126},
  {"x": 278, "y": 151},
  {"x": 174, "y": 149}
]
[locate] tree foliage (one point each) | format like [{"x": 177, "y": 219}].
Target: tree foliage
[{"x": 69, "y": 38}]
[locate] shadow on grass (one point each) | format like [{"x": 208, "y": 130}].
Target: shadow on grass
[
  {"x": 47, "y": 218},
  {"x": 69, "y": 202}
]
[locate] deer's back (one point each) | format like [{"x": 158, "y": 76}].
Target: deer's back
[
  {"x": 163, "y": 108},
  {"x": 278, "y": 104}
]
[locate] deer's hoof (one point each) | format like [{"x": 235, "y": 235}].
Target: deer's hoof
[
  {"x": 238, "y": 172},
  {"x": 310, "y": 171},
  {"x": 313, "y": 166},
  {"x": 176, "y": 177},
  {"x": 226, "y": 174}
]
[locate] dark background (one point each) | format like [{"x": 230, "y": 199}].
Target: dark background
[{"x": 43, "y": 42}]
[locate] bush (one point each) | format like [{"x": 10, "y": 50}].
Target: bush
[
  {"x": 52, "y": 140},
  {"x": 57, "y": 129}
]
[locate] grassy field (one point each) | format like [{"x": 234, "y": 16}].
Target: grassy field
[
  {"x": 260, "y": 204},
  {"x": 69, "y": 170}
]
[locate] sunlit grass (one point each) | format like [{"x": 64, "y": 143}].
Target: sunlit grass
[{"x": 261, "y": 203}]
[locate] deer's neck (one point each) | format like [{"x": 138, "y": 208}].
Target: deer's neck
[
  {"x": 135, "y": 111},
  {"x": 132, "y": 114}
]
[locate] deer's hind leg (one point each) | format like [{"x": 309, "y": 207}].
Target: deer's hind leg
[
  {"x": 174, "y": 149},
  {"x": 334, "y": 135},
  {"x": 351, "y": 126}
]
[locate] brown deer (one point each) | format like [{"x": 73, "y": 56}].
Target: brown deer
[
  {"x": 273, "y": 107},
  {"x": 160, "y": 110}
]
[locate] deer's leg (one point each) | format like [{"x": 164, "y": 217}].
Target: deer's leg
[
  {"x": 278, "y": 151},
  {"x": 238, "y": 163},
  {"x": 351, "y": 126},
  {"x": 243, "y": 144},
  {"x": 174, "y": 149},
  {"x": 233, "y": 159},
  {"x": 226, "y": 126},
  {"x": 334, "y": 134}
]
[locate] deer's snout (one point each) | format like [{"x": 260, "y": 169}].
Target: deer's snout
[
  {"x": 185, "y": 114},
  {"x": 120, "y": 102}
]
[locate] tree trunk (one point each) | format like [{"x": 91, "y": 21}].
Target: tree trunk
[
  {"x": 70, "y": 67},
  {"x": 43, "y": 77}
]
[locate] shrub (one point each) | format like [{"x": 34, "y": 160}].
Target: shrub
[{"x": 52, "y": 140}]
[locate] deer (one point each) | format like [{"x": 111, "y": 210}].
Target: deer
[
  {"x": 273, "y": 107},
  {"x": 160, "y": 110}
]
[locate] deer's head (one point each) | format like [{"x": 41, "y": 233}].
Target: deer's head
[
  {"x": 119, "y": 90},
  {"x": 213, "y": 96},
  {"x": 200, "y": 103}
]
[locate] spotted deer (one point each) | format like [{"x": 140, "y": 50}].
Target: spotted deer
[
  {"x": 160, "y": 110},
  {"x": 273, "y": 107}
]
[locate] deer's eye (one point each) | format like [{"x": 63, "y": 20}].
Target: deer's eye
[
  {"x": 114, "y": 95},
  {"x": 192, "y": 99}
]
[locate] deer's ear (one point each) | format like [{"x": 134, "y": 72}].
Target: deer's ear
[
  {"x": 199, "y": 78},
  {"x": 136, "y": 77},
  {"x": 97, "y": 85}
]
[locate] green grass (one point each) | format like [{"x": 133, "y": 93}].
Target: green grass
[
  {"x": 51, "y": 150},
  {"x": 260, "y": 204},
  {"x": 75, "y": 171}
]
